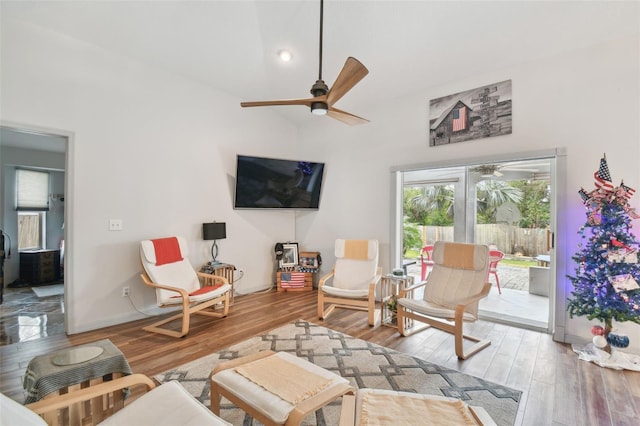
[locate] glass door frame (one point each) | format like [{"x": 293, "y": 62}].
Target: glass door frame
[{"x": 557, "y": 157}]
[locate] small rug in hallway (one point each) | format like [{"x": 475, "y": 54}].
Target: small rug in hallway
[
  {"x": 49, "y": 290},
  {"x": 365, "y": 364}
]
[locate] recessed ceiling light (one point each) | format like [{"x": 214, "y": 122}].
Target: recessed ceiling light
[{"x": 284, "y": 55}]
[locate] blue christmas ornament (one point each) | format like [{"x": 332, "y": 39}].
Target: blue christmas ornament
[{"x": 618, "y": 341}]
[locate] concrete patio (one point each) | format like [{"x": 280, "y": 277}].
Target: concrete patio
[{"x": 515, "y": 306}]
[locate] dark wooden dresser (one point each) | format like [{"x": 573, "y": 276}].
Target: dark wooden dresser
[{"x": 39, "y": 266}]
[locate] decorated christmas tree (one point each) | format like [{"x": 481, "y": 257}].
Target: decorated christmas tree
[{"x": 607, "y": 272}]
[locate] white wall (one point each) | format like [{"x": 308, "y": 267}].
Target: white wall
[
  {"x": 587, "y": 101},
  {"x": 148, "y": 147}
]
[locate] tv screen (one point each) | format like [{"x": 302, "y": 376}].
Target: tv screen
[{"x": 269, "y": 183}]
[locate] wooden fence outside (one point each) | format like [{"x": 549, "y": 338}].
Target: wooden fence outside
[{"x": 507, "y": 238}]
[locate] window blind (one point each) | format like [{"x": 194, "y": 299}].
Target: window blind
[{"x": 32, "y": 190}]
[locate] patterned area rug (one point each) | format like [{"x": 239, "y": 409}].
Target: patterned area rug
[{"x": 365, "y": 364}]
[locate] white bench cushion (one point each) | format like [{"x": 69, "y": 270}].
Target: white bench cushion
[
  {"x": 265, "y": 402},
  {"x": 168, "y": 404}
]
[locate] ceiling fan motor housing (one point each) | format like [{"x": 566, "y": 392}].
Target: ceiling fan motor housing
[{"x": 319, "y": 88}]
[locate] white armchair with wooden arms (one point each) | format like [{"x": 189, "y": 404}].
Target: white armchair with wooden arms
[
  {"x": 168, "y": 271},
  {"x": 452, "y": 291},
  {"x": 352, "y": 281},
  {"x": 169, "y": 404}
]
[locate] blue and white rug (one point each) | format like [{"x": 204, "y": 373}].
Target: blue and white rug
[{"x": 365, "y": 364}]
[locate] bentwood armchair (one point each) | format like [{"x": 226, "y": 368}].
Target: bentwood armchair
[
  {"x": 451, "y": 293},
  {"x": 177, "y": 284},
  {"x": 167, "y": 404},
  {"x": 352, "y": 281}
]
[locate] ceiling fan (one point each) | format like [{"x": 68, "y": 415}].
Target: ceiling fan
[
  {"x": 487, "y": 170},
  {"x": 323, "y": 98},
  {"x": 497, "y": 170}
]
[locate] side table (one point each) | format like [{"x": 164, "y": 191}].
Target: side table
[
  {"x": 389, "y": 287},
  {"x": 75, "y": 368},
  {"x": 56, "y": 373}
]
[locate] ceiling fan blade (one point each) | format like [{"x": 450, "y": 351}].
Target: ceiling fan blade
[
  {"x": 346, "y": 117},
  {"x": 352, "y": 72},
  {"x": 306, "y": 102}
]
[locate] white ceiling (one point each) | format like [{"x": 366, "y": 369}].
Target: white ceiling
[{"x": 406, "y": 45}]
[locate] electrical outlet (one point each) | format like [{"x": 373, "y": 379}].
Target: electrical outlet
[
  {"x": 125, "y": 291},
  {"x": 115, "y": 224}
]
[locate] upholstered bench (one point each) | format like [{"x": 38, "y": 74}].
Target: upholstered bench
[
  {"x": 275, "y": 387},
  {"x": 386, "y": 407}
]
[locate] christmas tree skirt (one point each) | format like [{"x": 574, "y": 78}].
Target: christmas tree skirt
[{"x": 617, "y": 360}]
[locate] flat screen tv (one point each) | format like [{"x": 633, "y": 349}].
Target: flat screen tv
[{"x": 270, "y": 183}]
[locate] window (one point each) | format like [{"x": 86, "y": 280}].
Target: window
[
  {"x": 32, "y": 202},
  {"x": 31, "y": 230},
  {"x": 32, "y": 190}
]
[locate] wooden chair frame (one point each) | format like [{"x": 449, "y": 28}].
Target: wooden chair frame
[
  {"x": 188, "y": 307},
  {"x": 362, "y": 304},
  {"x": 296, "y": 416},
  {"x": 454, "y": 326},
  {"x": 89, "y": 405}
]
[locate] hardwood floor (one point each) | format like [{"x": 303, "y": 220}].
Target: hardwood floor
[{"x": 558, "y": 389}]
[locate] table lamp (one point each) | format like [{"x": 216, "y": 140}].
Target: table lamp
[{"x": 214, "y": 231}]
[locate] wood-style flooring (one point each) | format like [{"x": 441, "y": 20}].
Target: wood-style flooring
[{"x": 558, "y": 389}]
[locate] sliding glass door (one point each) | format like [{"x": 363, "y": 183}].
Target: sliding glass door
[{"x": 506, "y": 205}]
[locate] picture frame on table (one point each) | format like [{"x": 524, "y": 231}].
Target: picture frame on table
[{"x": 289, "y": 255}]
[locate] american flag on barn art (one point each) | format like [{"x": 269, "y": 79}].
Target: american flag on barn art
[
  {"x": 292, "y": 280},
  {"x": 459, "y": 119},
  {"x": 482, "y": 112}
]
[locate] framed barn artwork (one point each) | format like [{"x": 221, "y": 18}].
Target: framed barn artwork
[{"x": 478, "y": 113}]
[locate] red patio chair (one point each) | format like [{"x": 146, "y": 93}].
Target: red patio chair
[
  {"x": 425, "y": 260},
  {"x": 495, "y": 256}
]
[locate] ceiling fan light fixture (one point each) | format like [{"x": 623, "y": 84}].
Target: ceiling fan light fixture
[
  {"x": 284, "y": 55},
  {"x": 323, "y": 98},
  {"x": 319, "y": 108}
]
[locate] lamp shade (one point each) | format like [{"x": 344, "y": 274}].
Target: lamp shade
[{"x": 214, "y": 231}]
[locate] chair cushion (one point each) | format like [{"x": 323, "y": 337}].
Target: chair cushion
[
  {"x": 356, "y": 249},
  {"x": 13, "y": 413},
  {"x": 176, "y": 274},
  {"x": 460, "y": 255},
  {"x": 458, "y": 412},
  {"x": 352, "y": 274},
  {"x": 343, "y": 292},
  {"x": 433, "y": 310},
  {"x": 168, "y": 404},
  {"x": 265, "y": 402},
  {"x": 200, "y": 295},
  {"x": 446, "y": 285}
]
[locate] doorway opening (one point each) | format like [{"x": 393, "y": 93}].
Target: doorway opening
[
  {"x": 506, "y": 204},
  {"x": 33, "y": 216}
]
